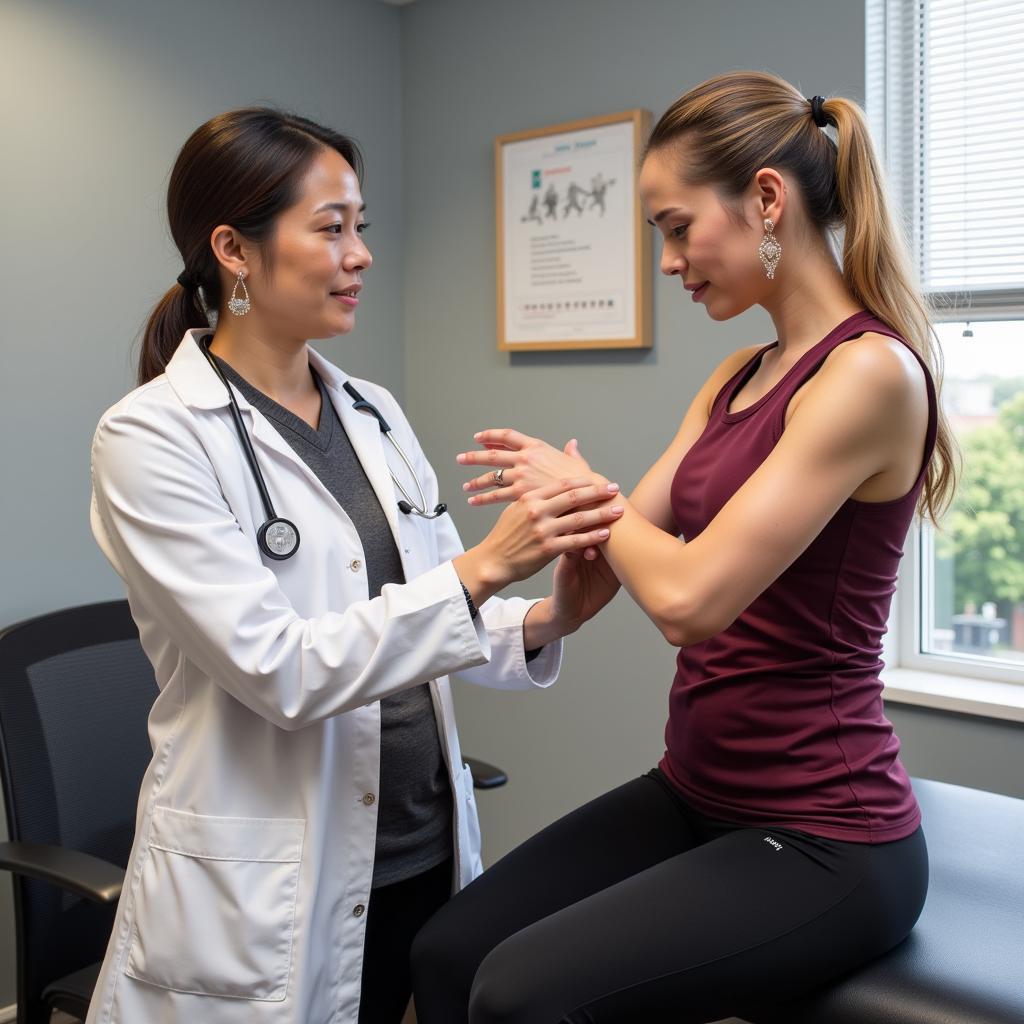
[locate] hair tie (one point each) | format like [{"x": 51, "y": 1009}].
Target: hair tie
[
  {"x": 186, "y": 281},
  {"x": 819, "y": 115}
]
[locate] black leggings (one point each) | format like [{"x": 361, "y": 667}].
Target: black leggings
[
  {"x": 396, "y": 913},
  {"x": 636, "y": 908}
]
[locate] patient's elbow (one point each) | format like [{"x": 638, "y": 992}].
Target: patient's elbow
[
  {"x": 676, "y": 634},
  {"x": 685, "y": 621}
]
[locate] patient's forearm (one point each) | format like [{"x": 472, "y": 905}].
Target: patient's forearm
[{"x": 653, "y": 566}]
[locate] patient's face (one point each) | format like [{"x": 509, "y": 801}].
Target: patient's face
[{"x": 706, "y": 242}]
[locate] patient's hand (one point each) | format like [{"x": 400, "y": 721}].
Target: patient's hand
[{"x": 525, "y": 463}]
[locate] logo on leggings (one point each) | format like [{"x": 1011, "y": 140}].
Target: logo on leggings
[{"x": 773, "y": 843}]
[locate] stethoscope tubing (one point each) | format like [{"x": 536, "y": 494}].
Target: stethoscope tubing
[
  {"x": 247, "y": 448},
  {"x": 407, "y": 505}
]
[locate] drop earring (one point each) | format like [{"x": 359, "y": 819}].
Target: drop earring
[
  {"x": 239, "y": 306},
  {"x": 770, "y": 250}
]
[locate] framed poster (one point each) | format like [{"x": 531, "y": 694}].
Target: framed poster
[{"x": 574, "y": 260}]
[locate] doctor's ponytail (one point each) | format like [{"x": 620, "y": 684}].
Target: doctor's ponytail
[
  {"x": 241, "y": 168},
  {"x": 179, "y": 310}
]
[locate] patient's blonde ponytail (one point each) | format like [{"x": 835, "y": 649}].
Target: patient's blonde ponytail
[{"x": 737, "y": 123}]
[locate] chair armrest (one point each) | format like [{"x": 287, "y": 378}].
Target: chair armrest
[
  {"x": 83, "y": 873},
  {"x": 485, "y": 776}
]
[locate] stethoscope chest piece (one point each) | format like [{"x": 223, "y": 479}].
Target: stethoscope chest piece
[{"x": 278, "y": 539}]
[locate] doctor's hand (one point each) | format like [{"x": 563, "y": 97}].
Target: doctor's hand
[
  {"x": 519, "y": 464},
  {"x": 571, "y": 514},
  {"x": 583, "y": 584}
]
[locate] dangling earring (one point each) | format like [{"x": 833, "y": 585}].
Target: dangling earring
[
  {"x": 769, "y": 250},
  {"x": 239, "y": 306}
]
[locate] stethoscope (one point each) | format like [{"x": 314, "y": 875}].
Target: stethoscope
[{"x": 278, "y": 538}]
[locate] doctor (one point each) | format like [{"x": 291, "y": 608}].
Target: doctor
[{"x": 302, "y": 595}]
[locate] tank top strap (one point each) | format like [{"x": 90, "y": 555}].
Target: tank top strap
[
  {"x": 772, "y": 404},
  {"x": 811, "y": 361},
  {"x": 879, "y": 327},
  {"x": 732, "y": 385},
  {"x": 770, "y": 408}
]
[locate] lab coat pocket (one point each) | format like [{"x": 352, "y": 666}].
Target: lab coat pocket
[{"x": 215, "y": 905}]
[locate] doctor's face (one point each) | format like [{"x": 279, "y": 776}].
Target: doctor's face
[
  {"x": 712, "y": 248},
  {"x": 309, "y": 287}
]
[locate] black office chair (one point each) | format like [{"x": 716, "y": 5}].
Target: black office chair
[{"x": 75, "y": 694}]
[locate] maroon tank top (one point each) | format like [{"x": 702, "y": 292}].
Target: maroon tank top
[{"x": 778, "y": 719}]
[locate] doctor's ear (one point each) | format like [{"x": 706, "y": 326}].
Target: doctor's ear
[{"x": 234, "y": 253}]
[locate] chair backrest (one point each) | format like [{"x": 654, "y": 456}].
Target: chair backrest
[{"x": 75, "y": 694}]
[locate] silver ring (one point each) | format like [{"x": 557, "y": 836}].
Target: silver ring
[{"x": 498, "y": 476}]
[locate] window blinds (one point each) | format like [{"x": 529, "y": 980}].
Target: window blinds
[{"x": 944, "y": 92}]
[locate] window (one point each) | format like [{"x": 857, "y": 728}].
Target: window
[
  {"x": 944, "y": 80},
  {"x": 973, "y": 586},
  {"x": 944, "y": 84}
]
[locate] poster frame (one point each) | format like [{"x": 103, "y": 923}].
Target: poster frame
[{"x": 640, "y": 334}]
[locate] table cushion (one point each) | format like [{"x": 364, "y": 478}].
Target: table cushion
[{"x": 964, "y": 961}]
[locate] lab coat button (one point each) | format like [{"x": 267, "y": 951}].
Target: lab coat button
[
  {"x": 355, "y": 565},
  {"x": 369, "y": 799},
  {"x": 359, "y": 910}
]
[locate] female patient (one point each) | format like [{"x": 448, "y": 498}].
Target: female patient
[{"x": 778, "y": 843}]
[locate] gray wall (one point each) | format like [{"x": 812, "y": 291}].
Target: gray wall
[
  {"x": 97, "y": 98},
  {"x": 474, "y": 69},
  {"x": 986, "y": 753}
]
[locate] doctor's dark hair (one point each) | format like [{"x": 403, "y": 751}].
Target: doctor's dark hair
[
  {"x": 723, "y": 131},
  {"x": 242, "y": 168}
]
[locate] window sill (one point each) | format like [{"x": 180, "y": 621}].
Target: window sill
[{"x": 966, "y": 695}]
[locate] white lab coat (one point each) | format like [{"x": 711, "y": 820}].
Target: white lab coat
[{"x": 246, "y": 891}]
